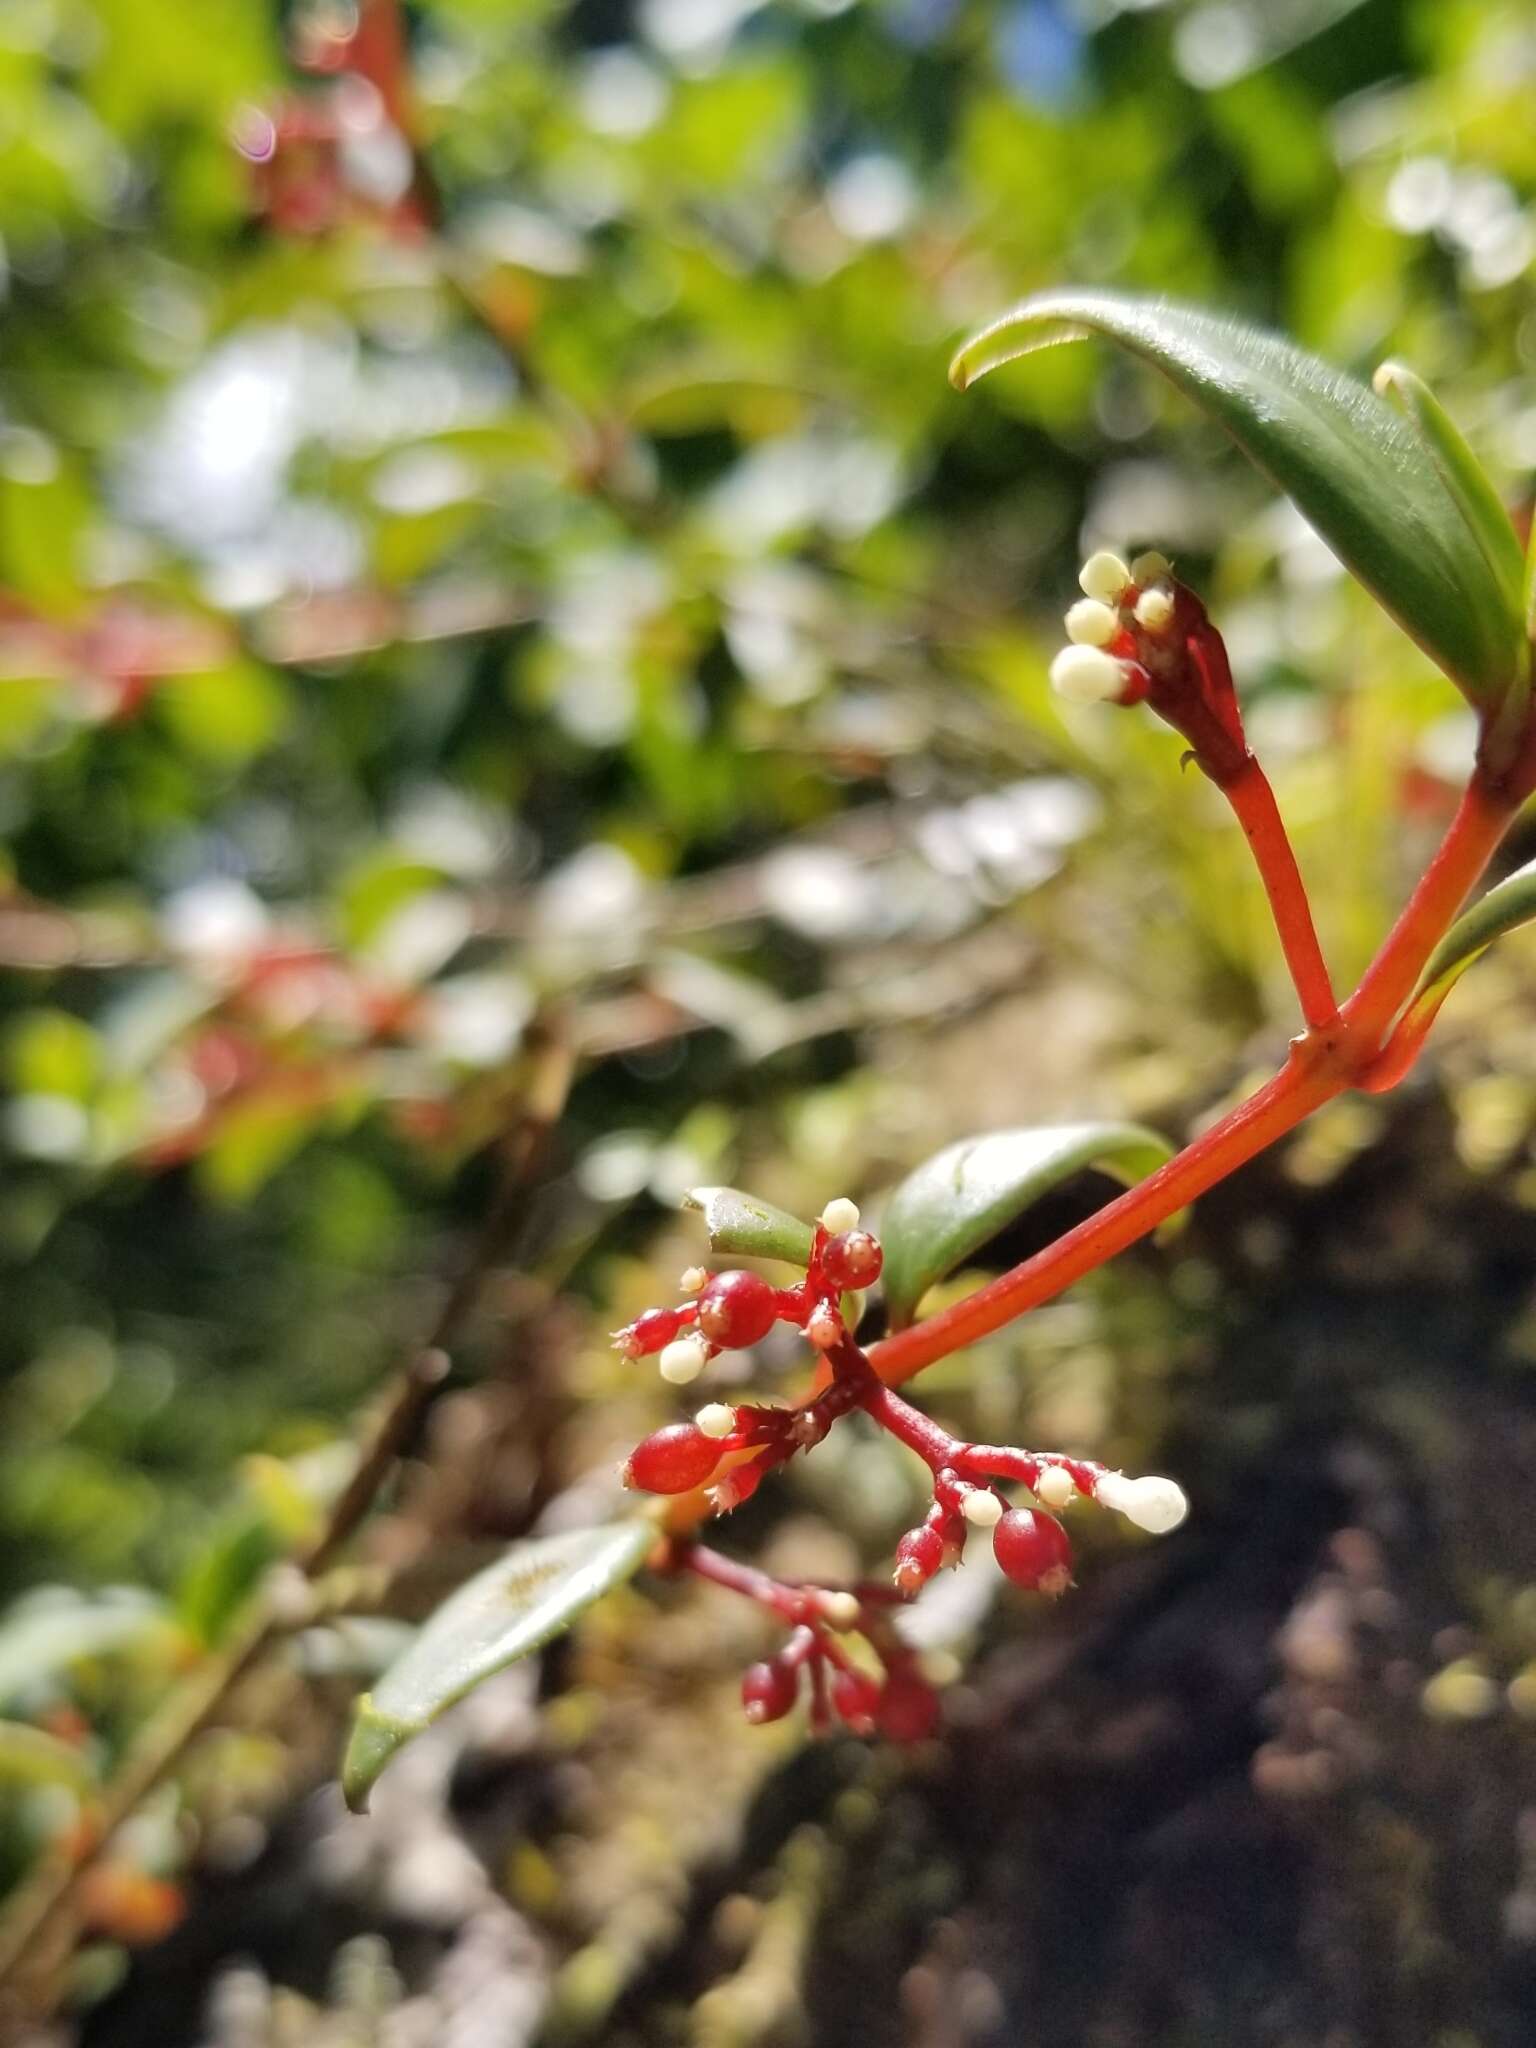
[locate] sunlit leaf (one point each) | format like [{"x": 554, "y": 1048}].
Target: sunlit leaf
[
  {"x": 1461, "y": 472},
  {"x": 513, "y": 1607},
  {"x": 747, "y": 1228},
  {"x": 951, "y": 1205},
  {"x": 1359, "y": 474}
]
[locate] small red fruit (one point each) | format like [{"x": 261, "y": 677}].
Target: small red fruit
[
  {"x": 909, "y": 1708},
  {"x": 1034, "y": 1550},
  {"x": 737, "y": 1309},
  {"x": 919, "y": 1555},
  {"x": 768, "y": 1691},
  {"x": 673, "y": 1460},
  {"x": 852, "y": 1260}
]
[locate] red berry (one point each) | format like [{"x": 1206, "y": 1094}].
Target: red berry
[
  {"x": 909, "y": 1707},
  {"x": 672, "y": 1460},
  {"x": 1034, "y": 1550},
  {"x": 857, "y": 1700},
  {"x": 737, "y": 1309},
  {"x": 768, "y": 1691},
  {"x": 919, "y": 1555},
  {"x": 852, "y": 1260}
]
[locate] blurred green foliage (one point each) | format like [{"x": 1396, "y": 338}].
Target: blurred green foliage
[{"x": 499, "y": 536}]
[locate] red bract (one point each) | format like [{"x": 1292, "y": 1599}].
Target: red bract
[
  {"x": 673, "y": 1460},
  {"x": 737, "y": 1309},
  {"x": 1034, "y": 1550}
]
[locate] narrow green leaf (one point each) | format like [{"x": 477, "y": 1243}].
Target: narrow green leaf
[
  {"x": 1462, "y": 474},
  {"x": 747, "y": 1228},
  {"x": 514, "y": 1606},
  {"x": 1356, "y": 471},
  {"x": 1507, "y": 905},
  {"x": 950, "y": 1206}
]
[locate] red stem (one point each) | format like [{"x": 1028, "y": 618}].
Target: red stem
[
  {"x": 1472, "y": 838},
  {"x": 1305, "y": 1082},
  {"x": 1325, "y": 1063},
  {"x": 1253, "y": 801}
]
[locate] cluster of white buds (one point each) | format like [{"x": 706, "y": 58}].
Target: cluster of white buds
[
  {"x": 1156, "y": 1505},
  {"x": 1120, "y": 599}
]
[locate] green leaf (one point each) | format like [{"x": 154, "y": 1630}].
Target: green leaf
[
  {"x": 512, "y": 1607},
  {"x": 1358, "y": 473},
  {"x": 950, "y": 1206},
  {"x": 1507, "y": 905},
  {"x": 1461, "y": 473},
  {"x": 742, "y": 1225}
]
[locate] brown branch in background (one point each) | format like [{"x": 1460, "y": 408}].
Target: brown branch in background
[{"x": 37, "y": 1930}]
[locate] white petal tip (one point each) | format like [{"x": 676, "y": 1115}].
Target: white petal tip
[
  {"x": 682, "y": 1360},
  {"x": 1104, "y": 576},
  {"x": 840, "y": 1216},
  {"x": 1087, "y": 675},
  {"x": 982, "y": 1510},
  {"x": 1056, "y": 1487},
  {"x": 1091, "y": 624}
]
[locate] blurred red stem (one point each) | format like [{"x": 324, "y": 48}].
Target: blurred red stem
[{"x": 1252, "y": 799}]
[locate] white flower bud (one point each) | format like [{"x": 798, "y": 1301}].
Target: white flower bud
[
  {"x": 839, "y": 1216},
  {"x": 1156, "y": 1505},
  {"x": 716, "y": 1420},
  {"x": 1087, "y": 675},
  {"x": 692, "y": 1280},
  {"x": 1104, "y": 576},
  {"x": 1091, "y": 624},
  {"x": 683, "y": 1360},
  {"x": 840, "y": 1609},
  {"x": 1056, "y": 1487},
  {"x": 1150, "y": 567},
  {"x": 1154, "y": 610},
  {"x": 982, "y": 1509}
]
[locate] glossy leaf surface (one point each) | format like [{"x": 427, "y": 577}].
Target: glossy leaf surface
[
  {"x": 1362, "y": 477},
  {"x": 748, "y": 1228},
  {"x": 511, "y": 1608},
  {"x": 950, "y": 1206}
]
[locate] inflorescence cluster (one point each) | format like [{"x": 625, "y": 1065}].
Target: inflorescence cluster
[
  {"x": 728, "y": 1449},
  {"x": 1137, "y": 635}
]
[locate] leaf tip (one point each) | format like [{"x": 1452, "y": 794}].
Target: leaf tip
[{"x": 373, "y": 1740}]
